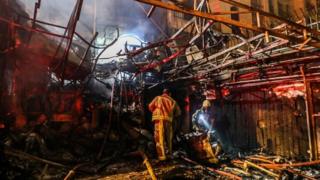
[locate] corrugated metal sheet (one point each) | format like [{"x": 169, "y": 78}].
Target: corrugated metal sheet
[{"x": 258, "y": 119}]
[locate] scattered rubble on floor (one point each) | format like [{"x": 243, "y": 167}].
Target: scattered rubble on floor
[{"x": 47, "y": 154}]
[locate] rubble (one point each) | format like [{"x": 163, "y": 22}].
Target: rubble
[
  {"x": 78, "y": 161},
  {"x": 65, "y": 114}
]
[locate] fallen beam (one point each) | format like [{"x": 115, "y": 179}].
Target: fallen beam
[
  {"x": 270, "y": 173},
  {"x": 147, "y": 163},
  {"x": 23, "y": 155},
  {"x": 281, "y": 166},
  {"x": 222, "y": 173}
]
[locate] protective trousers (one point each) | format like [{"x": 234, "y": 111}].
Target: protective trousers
[
  {"x": 163, "y": 138},
  {"x": 210, "y": 156}
]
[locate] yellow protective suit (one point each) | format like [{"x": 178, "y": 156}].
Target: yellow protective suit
[{"x": 163, "y": 109}]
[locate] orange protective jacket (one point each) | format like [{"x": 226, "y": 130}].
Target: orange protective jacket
[{"x": 164, "y": 108}]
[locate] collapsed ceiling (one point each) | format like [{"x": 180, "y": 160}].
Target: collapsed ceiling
[
  {"x": 270, "y": 51},
  {"x": 95, "y": 65}
]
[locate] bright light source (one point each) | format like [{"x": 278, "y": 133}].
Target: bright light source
[{"x": 204, "y": 120}]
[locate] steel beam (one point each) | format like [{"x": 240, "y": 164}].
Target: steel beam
[
  {"x": 225, "y": 20},
  {"x": 267, "y": 14}
]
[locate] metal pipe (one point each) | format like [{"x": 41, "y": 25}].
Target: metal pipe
[
  {"x": 94, "y": 29},
  {"x": 268, "y": 83},
  {"x": 73, "y": 24},
  {"x": 84, "y": 56},
  {"x": 271, "y": 79},
  {"x": 104, "y": 49},
  {"x": 57, "y": 26},
  {"x": 151, "y": 11},
  {"x": 296, "y": 60},
  {"x": 36, "y": 7},
  {"x": 2, "y": 19},
  {"x": 225, "y": 20},
  {"x": 275, "y": 44},
  {"x": 153, "y": 22},
  {"x": 307, "y": 112},
  {"x": 110, "y": 120}
]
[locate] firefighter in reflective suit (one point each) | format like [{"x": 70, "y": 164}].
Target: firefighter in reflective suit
[
  {"x": 163, "y": 109},
  {"x": 201, "y": 118},
  {"x": 201, "y": 124}
]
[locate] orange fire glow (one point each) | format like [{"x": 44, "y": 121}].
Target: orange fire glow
[{"x": 289, "y": 91}]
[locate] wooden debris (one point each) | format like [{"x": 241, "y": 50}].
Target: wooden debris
[
  {"x": 148, "y": 165},
  {"x": 23, "y": 155},
  {"x": 72, "y": 172},
  {"x": 282, "y": 166},
  {"x": 260, "y": 159},
  {"x": 300, "y": 174},
  {"x": 248, "y": 163},
  {"x": 237, "y": 171},
  {"x": 146, "y": 162},
  {"x": 44, "y": 171},
  {"x": 222, "y": 173}
]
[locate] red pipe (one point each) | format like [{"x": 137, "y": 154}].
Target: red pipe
[
  {"x": 155, "y": 64},
  {"x": 30, "y": 29}
]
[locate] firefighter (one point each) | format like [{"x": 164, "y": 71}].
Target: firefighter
[
  {"x": 163, "y": 109},
  {"x": 202, "y": 117},
  {"x": 201, "y": 124}
]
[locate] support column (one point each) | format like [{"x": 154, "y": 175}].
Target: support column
[{"x": 310, "y": 123}]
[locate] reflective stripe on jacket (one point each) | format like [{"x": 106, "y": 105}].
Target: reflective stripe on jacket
[{"x": 164, "y": 108}]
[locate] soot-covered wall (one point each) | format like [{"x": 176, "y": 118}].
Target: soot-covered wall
[{"x": 260, "y": 119}]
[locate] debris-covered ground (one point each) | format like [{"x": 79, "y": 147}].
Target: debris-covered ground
[{"x": 44, "y": 152}]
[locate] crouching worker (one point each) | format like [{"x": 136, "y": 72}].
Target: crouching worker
[
  {"x": 203, "y": 141},
  {"x": 164, "y": 109}
]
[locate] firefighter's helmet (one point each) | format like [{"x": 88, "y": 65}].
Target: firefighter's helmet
[{"x": 206, "y": 103}]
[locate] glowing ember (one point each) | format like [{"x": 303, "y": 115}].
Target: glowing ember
[
  {"x": 225, "y": 92},
  {"x": 210, "y": 94},
  {"x": 289, "y": 91}
]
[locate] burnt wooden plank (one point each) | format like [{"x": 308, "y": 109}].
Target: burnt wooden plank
[
  {"x": 269, "y": 126},
  {"x": 295, "y": 132},
  {"x": 284, "y": 138},
  {"x": 278, "y": 134},
  {"x": 264, "y": 130},
  {"x": 233, "y": 120},
  {"x": 287, "y": 126},
  {"x": 238, "y": 122},
  {"x": 258, "y": 127},
  {"x": 273, "y": 119},
  {"x": 253, "y": 125},
  {"x": 290, "y": 127}
]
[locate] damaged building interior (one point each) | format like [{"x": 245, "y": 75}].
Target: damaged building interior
[{"x": 159, "y": 89}]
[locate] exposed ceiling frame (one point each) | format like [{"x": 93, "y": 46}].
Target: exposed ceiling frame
[
  {"x": 229, "y": 21},
  {"x": 299, "y": 39}
]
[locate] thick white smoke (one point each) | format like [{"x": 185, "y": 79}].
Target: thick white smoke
[{"x": 128, "y": 15}]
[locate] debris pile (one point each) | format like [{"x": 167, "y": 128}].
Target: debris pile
[{"x": 44, "y": 152}]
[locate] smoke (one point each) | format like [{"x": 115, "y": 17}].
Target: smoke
[
  {"x": 33, "y": 62},
  {"x": 127, "y": 15},
  {"x": 55, "y": 12},
  {"x": 102, "y": 88}
]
